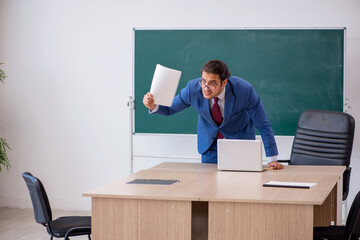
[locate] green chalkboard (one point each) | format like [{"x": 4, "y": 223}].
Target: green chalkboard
[{"x": 291, "y": 70}]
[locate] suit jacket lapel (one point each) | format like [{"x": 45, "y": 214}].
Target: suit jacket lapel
[
  {"x": 205, "y": 109},
  {"x": 229, "y": 103}
]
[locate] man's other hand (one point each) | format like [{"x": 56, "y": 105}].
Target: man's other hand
[{"x": 275, "y": 165}]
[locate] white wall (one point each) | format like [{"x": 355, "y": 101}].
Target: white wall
[{"x": 63, "y": 108}]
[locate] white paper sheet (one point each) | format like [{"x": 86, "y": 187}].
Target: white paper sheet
[{"x": 164, "y": 85}]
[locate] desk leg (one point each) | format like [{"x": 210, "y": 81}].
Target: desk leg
[
  {"x": 339, "y": 197},
  {"x": 234, "y": 221},
  {"x": 327, "y": 212},
  {"x": 331, "y": 209},
  {"x": 133, "y": 219}
]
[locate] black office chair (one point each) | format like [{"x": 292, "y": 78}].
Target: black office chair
[
  {"x": 61, "y": 227},
  {"x": 324, "y": 138},
  {"x": 350, "y": 231}
]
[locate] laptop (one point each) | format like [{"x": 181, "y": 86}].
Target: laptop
[{"x": 240, "y": 155}]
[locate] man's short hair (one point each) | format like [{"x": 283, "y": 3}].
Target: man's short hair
[{"x": 216, "y": 67}]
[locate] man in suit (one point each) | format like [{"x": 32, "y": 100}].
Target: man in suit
[{"x": 228, "y": 107}]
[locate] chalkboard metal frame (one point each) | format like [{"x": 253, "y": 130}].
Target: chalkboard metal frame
[{"x": 139, "y": 103}]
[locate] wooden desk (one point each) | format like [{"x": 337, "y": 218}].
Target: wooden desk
[
  {"x": 216, "y": 205},
  {"x": 335, "y": 198}
]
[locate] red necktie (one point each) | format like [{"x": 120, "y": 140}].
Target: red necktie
[{"x": 216, "y": 115}]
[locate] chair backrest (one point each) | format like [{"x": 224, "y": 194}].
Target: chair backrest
[
  {"x": 323, "y": 138},
  {"x": 353, "y": 218},
  {"x": 39, "y": 199}
]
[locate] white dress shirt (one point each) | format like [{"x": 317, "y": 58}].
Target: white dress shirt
[{"x": 221, "y": 102}]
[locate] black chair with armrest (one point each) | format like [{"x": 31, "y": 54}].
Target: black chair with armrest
[
  {"x": 62, "y": 227},
  {"x": 324, "y": 138},
  {"x": 350, "y": 231}
]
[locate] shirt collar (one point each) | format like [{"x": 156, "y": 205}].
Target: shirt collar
[{"x": 222, "y": 95}]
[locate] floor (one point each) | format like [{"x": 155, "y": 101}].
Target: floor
[{"x": 19, "y": 224}]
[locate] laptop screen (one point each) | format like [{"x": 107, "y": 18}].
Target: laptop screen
[{"x": 239, "y": 155}]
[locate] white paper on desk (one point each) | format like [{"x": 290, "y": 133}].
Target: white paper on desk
[{"x": 164, "y": 85}]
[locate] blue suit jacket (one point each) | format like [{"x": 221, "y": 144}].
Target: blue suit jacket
[{"x": 243, "y": 110}]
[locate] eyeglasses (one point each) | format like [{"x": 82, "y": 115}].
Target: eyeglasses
[{"x": 210, "y": 84}]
